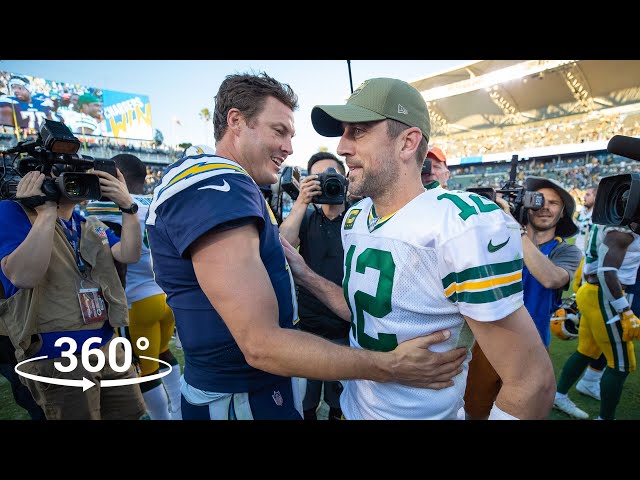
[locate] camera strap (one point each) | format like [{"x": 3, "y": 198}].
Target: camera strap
[
  {"x": 74, "y": 240},
  {"x": 32, "y": 202}
]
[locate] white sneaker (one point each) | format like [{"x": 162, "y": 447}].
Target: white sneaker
[
  {"x": 590, "y": 389},
  {"x": 567, "y": 406}
]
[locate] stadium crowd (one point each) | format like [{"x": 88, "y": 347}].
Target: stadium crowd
[{"x": 574, "y": 129}]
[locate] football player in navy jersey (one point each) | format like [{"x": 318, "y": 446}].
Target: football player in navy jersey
[
  {"x": 217, "y": 254},
  {"x": 30, "y": 108}
]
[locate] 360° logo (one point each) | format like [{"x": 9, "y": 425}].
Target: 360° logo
[{"x": 86, "y": 353}]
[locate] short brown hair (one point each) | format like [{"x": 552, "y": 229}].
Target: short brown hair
[{"x": 248, "y": 93}]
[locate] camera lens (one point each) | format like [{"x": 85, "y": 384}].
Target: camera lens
[
  {"x": 619, "y": 199},
  {"x": 74, "y": 187},
  {"x": 332, "y": 188}
]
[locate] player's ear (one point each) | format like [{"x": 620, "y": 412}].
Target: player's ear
[{"x": 234, "y": 118}]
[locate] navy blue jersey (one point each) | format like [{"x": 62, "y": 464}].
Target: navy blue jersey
[
  {"x": 197, "y": 194},
  {"x": 30, "y": 114}
]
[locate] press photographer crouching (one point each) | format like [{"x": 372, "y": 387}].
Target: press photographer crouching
[
  {"x": 549, "y": 265},
  {"x": 317, "y": 231},
  {"x": 60, "y": 283}
]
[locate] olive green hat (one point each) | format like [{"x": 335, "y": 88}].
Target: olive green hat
[{"x": 376, "y": 99}]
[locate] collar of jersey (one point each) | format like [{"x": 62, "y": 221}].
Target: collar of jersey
[{"x": 374, "y": 222}]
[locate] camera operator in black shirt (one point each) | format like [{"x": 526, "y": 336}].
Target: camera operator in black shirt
[{"x": 317, "y": 231}]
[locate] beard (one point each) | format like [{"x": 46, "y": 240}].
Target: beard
[
  {"x": 537, "y": 222},
  {"x": 373, "y": 184}
]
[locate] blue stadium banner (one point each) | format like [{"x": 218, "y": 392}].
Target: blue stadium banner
[
  {"x": 127, "y": 115},
  {"x": 25, "y": 101}
]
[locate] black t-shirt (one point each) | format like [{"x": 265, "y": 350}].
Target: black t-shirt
[{"x": 321, "y": 247}]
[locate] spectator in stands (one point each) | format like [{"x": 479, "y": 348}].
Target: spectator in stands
[
  {"x": 549, "y": 265},
  {"x": 439, "y": 169},
  {"x": 316, "y": 229}
]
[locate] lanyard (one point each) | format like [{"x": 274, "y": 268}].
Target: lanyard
[{"x": 73, "y": 237}]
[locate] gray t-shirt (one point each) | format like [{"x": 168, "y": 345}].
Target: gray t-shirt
[{"x": 568, "y": 257}]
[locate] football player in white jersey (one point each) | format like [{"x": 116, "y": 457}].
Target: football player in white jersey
[
  {"x": 149, "y": 315},
  {"x": 583, "y": 219},
  {"x": 608, "y": 325},
  {"x": 419, "y": 260}
]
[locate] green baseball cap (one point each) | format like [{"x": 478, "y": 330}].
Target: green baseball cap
[
  {"x": 376, "y": 99},
  {"x": 88, "y": 98}
]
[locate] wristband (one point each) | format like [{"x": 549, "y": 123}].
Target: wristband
[
  {"x": 497, "y": 414},
  {"x": 619, "y": 304}
]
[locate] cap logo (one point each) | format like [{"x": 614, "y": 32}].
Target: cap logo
[
  {"x": 359, "y": 89},
  {"x": 402, "y": 110}
]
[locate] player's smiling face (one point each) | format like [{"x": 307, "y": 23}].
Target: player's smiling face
[
  {"x": 267, "y": 142},
  {"x": 21, "y": 93}
]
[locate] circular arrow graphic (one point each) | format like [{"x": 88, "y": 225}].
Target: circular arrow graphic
[
  {"x": 131, "y": 381},
  {"x": 85, "y": 383}
]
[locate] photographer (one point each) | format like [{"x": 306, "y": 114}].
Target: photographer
[
  {"x": 549, "y": 265},
  {"x": 439, "y": 170},
  {"x": 317, "y": 231},
  {"x": 57, "y": 272}
]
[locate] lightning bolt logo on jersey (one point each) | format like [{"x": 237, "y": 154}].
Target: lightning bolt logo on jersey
[
  {"x": 417, "y": 271},
  {"x": 184, "y": 207}
]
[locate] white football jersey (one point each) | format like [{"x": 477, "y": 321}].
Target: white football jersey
[
  {"x": 444, "y": 254},
  {"x": 583, "y": 221},
  {"x": 594, "y": 253},
  {"x": 140, "y": 278}
]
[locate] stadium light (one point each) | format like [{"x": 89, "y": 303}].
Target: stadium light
[{"x": 488, "y": 81}]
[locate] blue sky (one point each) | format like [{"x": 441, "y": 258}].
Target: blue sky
[{"x": 182, "y": 88}]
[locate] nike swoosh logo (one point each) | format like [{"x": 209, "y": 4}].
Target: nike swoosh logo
[
  {"x": 223, "y": 188},
  {"x": 494, "y": 248}
]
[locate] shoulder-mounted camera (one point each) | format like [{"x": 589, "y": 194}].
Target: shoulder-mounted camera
[
  {"x": 519, "y": 199},
  {"x": 53, "y": 153},
  {"x": 617, "y": 199}
]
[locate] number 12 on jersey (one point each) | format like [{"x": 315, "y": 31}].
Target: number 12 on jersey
[{"x": 378, "y": 305}]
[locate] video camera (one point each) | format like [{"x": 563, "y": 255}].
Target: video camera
[
  {"x": 290, "y": 181},
  {"x": 520, "y": 200},
  {"x": 54, "y": 152},
  {"x": 618, "y": 198}
]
